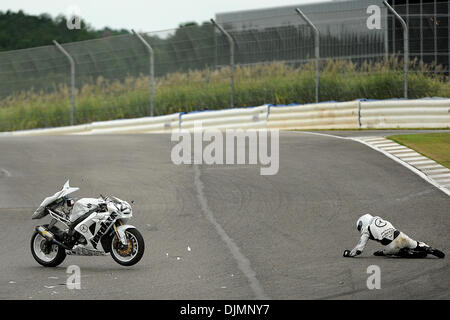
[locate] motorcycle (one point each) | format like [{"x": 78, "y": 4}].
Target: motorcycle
[{"x": 91, "y": 227}]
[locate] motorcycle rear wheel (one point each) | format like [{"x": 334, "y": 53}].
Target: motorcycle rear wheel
[{"x": 52, "y": 258}]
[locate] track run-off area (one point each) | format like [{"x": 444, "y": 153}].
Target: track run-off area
[{"x": 224, "y": 231}]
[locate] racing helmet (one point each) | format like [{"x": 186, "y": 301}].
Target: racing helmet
[{"x": 363, "y": 221}]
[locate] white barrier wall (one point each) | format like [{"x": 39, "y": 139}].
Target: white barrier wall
[
  {"x": 53, "y": 131},
  {"x": 383, "y": 114},
  {"x": 420, "y": 113},
  {"x": 343, "y": 115},
  {"x": 248, "y": 118},
  {"x": 159, "y": 124}
]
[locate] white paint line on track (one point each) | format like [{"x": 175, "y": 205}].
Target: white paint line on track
[
  {"x": 413, "y": 158},
  {"x": 372, "y": 139},
  {"x": 408, "y": 165},
  {"x": 414, "y": 163},
  {"x": 426, "y": 161},
  {"x": 404, "y": 152},
  {"x": 436, "y": 171},
  {"x": 242, "y": 261},
  {"x": 399, "y": 150},
  {"x": 441, "y": 180},
  {"x": 431, "y": 167},
  {"x": 380, "y": 141},
  {"x": 444, "y": 175},
  {"x": 407, "y": 155},
  {"x": 396, "y": 148},
  {"x": 384, "y": 145},
  {"x": 322, "y": 134}
]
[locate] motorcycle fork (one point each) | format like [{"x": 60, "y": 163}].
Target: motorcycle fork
[{"x": 115, "y": 230}]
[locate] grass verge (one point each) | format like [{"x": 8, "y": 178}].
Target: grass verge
[
  {"x": 102, "y": 99},
  {"x": 435, "y": 146}
]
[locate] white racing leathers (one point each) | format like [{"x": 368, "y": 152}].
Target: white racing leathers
[{"x": 384, "y": 232}]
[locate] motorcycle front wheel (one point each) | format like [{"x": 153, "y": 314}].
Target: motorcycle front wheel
[
  {"x": 130, "y": 254},
  {"x": 45, "y": 253}
]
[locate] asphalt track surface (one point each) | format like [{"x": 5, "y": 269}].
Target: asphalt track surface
[{"x": 224, "y": 232}]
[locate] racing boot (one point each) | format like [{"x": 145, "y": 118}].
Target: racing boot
[
  {"x": 379, "y": 253},
  {"x": 412, "y": 253},
  {"x": 421, "y": 246},
  {"x": 435, "y": 252}
]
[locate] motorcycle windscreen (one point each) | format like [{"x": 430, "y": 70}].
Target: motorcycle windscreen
[{"x": 41, "y": 212}]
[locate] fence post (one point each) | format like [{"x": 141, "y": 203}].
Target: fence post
[
  {"x": 316, "y": 49},
  {"x": 359, "y": 113},
  {"x": 421, "y": 35},
  {"x": 72, "y": 79},
  {"x": 386, "y": 37},
  {"x": 152, "y": 70},
  {"x": 405, "y": 47},
  {"x": 231, "y": 43}
]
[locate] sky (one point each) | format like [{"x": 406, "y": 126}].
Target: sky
[{"x": 141, "y": 15}]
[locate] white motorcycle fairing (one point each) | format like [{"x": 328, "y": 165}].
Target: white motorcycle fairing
[
  {"x": 97, "y": 224},
  {"x": 83, "y": 206},
  {"x": 41, "y": 212},
  {"x": 94, "y": 227},
  {"x": 121, "y": 231}
]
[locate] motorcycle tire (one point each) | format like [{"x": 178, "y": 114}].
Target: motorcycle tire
[
  {"x": 135, "y": 238},
  {"x": 45, "y": 259}
]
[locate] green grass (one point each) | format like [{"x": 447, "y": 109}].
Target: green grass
[
  {"x": 275, "y": 83},
  {"x": 435, "y": 146}
]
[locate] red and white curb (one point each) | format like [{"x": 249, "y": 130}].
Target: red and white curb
[{"x": 428, "y": 169}]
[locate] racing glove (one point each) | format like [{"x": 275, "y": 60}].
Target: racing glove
[{"x": 347, "y": 254}]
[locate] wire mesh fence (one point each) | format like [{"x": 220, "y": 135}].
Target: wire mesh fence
[{"x": 274, "y": 54}]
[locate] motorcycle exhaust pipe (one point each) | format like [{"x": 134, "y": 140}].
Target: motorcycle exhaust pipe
[
  {"x": 45, "y": 233},
  {"x": 62, "y": 245},
  {"x": 50, "y": 237}
]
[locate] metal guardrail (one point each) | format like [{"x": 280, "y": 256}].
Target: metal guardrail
[
  {"x": 420, "y": 113},
  {"x": 382, "y": 114}
]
